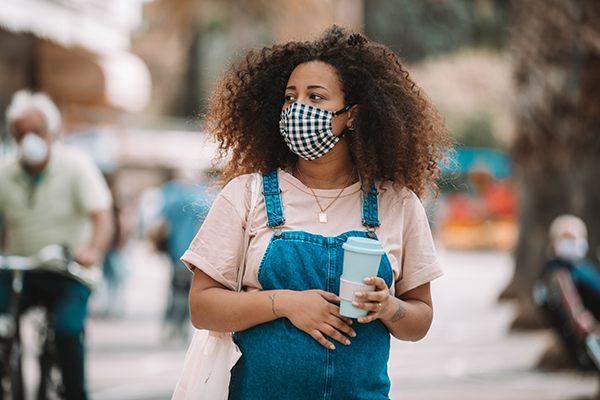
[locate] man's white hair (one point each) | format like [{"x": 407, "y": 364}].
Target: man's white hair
[
  {"x": 24, "y": 101},
  {"x": 567, "y": 224}
]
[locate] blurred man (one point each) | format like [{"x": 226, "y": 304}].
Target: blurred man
[
  {"x": 569, "y": 246},
  {"x": 51, "y": 194},
  {"x": 570, "y": 295}
]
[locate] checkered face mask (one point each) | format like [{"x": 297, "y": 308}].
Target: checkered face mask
[{"x": 308, "y": 131}]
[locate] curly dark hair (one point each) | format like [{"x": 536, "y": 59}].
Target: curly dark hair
[{"x": 399, "y": 134}]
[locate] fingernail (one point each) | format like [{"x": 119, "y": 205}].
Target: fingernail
[
  {"x": 352, "y": 334},
  {"x": 358, "y": 294},
  {"x": 355, "y": 303},
  {"x": 367, "y": 279},
  {"x": 361, "y": 320},
  {"x": 347, "y": 342},
  {"x": 331, "y": 347}
]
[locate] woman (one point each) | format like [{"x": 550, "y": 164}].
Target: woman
[{"x": 346, "y": 143}]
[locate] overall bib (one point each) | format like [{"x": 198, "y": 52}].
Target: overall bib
[{"x": 279, "y": 361}]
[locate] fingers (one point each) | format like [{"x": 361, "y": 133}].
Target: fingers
[
  {"x": 333, "y": 299},
  {"x": 330, "y": 297},
  {"x": 379, "y": 283},
  {"x": 337, "y": 324},
  {"x": 341, "y": 323},
  {"x": 375, "y": 302},
  {"x": 334, "y": 330},
  {"x": 321, "y": 319},
  {"x": 318, "y": 336},
  {"x": 380, "y": 294}
]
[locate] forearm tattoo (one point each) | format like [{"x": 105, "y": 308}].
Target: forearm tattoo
[
  {"x": 273, "y": 304},
  {"x": 400, "y": 312}
]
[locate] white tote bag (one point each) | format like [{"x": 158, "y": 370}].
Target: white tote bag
[
  {"x": 207, "y": 366},
  {"x": 212, "y": 355}
]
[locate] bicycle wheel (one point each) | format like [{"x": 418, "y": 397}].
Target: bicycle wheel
[
  {"x": 11, "y": 377},
  {"x": 51, "y": 379}
]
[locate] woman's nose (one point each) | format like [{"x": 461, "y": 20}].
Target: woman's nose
[{"x": 303, "y": 100}]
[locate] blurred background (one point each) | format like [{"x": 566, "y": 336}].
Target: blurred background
[{"x": 518, "y": 84}]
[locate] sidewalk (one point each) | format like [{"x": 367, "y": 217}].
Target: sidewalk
[
  {"x": 468, "y": 354},
  {"x": 130, "y": 358}
]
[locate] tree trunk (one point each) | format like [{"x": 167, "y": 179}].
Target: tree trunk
[{"x": 555, "y": 45}]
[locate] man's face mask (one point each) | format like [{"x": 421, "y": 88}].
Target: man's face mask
[
  {"x": 308, "y": 130},
  {"x": 33, "y": 149},
  {"x": 571, "y": 249}
]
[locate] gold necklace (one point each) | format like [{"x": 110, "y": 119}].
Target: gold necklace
[{"x": 322, "y": 215}]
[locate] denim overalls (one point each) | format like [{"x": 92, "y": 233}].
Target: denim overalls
[{"x": 279, "y": 361}]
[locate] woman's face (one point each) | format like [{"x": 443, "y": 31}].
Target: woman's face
[{"x": 317, "y": 84}]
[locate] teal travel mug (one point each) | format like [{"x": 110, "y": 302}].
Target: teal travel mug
[{"x": 361, "y": 259}]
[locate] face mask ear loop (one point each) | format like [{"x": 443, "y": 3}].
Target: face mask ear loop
[{"x": 343, "y": 110}]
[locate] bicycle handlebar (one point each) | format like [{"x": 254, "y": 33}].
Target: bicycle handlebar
[{"x": 54, "y": 258}]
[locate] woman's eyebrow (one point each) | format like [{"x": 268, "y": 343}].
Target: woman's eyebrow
[
  {"x": 309, "y": 87},
  {"x": 317, "y": 87}
]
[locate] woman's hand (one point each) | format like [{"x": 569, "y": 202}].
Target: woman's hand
[
  {"x": 317, "y": 313},
  {"x": 380, "y": 304}
]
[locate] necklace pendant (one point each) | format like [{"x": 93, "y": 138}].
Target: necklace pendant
[{"x": 322, "y": 218}]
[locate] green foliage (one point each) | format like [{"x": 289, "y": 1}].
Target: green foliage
[
  {"x": 417, "y": 29},
  {"x": 477, "y": 132}
]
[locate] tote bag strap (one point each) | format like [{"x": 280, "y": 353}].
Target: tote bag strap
[{"x": 255, "y": 185}]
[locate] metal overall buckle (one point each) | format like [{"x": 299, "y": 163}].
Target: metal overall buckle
[{"x": 371, "y": 232}]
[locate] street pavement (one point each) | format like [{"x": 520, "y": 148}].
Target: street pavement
[{"x": 469, "y": 353}]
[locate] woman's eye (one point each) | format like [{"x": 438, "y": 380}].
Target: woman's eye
[
  {"x": 289, "y": 97},
  {"x": 316, "y": 97}
]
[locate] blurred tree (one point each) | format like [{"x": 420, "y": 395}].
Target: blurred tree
[
  {"x": 419, "y": 29},
  {"x": 477, "y": 132},
  {"x": 187, "y": 43},
  {"x": 490, "y": 23},
  {"x": 164, "y": 43},
  {"x": 555, "y": 45}
]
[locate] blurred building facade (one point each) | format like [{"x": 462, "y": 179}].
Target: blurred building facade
[
  {"x": 130, "y": 75},
  {"x": 77, "y": 51}
]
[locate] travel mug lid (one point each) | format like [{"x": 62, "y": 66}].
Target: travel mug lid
[{"x": 363, "y": 245}]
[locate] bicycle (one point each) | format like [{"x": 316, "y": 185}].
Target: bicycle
[
  {"x": 556, "y": 295},
  {"x": 57, "y": 259}
]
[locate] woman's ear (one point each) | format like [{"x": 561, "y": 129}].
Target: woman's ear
[{"x": 352, "y": 112}]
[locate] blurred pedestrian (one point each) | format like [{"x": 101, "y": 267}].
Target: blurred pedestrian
[
  {"x": 346, "y": 143},
  {"x": 569, "y": 288},
  {"x": 185, "y": 206},
  {"x": 569, "y": 247},
  {"x": 52, "y": 194},
  {"x": 114, "y": 269}
]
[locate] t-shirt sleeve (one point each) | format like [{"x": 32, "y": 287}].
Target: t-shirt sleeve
[
  {"x": 91, "y": 188},
  {"x": 217, "y": 247},
  {"x": 420, "y": 264}
]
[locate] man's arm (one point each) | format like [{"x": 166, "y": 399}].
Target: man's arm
[
  {"x": 102, "y": 233},
  {"x": 2, "y": 234}
]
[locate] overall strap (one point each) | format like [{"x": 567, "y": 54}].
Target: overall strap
[
  {"x": 370, "y": 212},
  {"x": 273, "y": 205}
]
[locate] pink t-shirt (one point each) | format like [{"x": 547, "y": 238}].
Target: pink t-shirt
[{"x": 404, "y": 232}]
